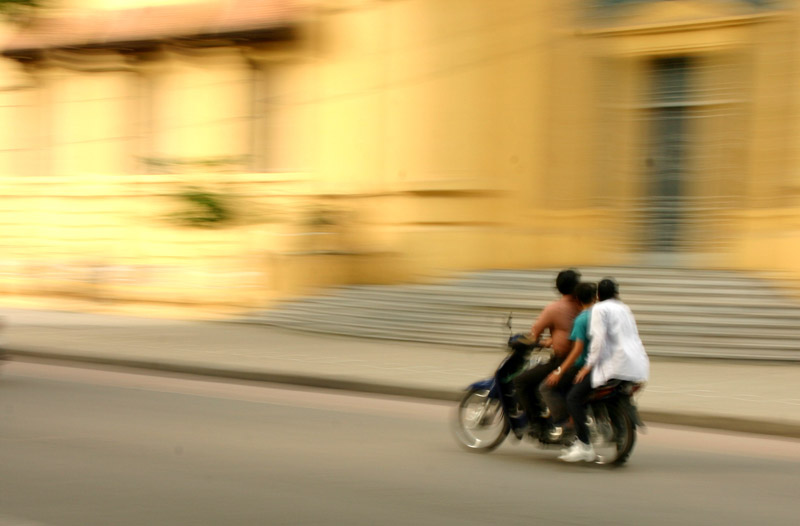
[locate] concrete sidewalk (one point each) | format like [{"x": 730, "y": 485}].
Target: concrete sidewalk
[{"x": 753, "y": 397}]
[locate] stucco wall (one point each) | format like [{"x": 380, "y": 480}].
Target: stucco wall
[{"x": 389, "y": 141}]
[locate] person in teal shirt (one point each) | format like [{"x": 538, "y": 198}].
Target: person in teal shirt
[{"x": 558, "y": 383}]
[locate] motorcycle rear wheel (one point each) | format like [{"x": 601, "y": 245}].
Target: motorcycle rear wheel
[
  {"x": 614, "y": 438},
  {"x": 480, "y": 422}
]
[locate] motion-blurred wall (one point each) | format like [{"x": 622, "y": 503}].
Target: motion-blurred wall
[{"x": 243, "y": 151}]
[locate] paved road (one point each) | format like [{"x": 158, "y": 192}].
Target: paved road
[
  {"x": 97, "y": 447},
  {"x": 739, "y": 396}
]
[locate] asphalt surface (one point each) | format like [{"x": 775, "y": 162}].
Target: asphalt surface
[
  {"x": 86, "y": 447},
  {"x": 746, "y": 396}
]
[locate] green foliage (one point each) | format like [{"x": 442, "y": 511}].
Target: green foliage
[
  {"x": 11, "y": 4},
  {"x": 204, "y": 209},
  {"x": 15, "y": 10}
]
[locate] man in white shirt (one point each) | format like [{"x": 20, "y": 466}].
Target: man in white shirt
[{"x": 615, "y": 353}]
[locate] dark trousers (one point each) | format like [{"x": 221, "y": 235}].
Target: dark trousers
[
  {"x": 527, "y": 386},
  {"x": 556, "y": 396},
  {"x": 576, "y": 403}
]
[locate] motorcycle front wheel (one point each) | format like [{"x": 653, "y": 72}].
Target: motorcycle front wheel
[{"x": 480, "y": 423}]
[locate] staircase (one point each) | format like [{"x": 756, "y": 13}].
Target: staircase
[{"x": 680, "y": 312}]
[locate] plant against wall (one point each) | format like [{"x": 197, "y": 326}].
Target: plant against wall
[
  {"x": 9, "y": 6},
  {"x": 216, "y": 205},
  {"x": 19, "y": 11},
  {"x": 203, "y": 208}
]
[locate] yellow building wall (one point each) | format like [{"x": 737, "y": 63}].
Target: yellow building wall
[{"x": 390, "y": 141}]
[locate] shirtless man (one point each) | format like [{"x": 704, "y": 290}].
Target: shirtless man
[{"x": 557, "y": 317}]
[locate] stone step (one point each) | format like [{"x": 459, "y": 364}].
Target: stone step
[
  {"x": 626, "y": 286},
  {"x": 753, "y": 348},
  {"x": 715, "y": 313},
  {"x": 680, "y": 312},
  {"x": 487, "y": 329},
  {"x": 647, "y": 320},
  {"x": 633, "y": 273},
  {"x": 498, "y": 297}
]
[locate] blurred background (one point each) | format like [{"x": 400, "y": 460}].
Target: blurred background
[
  {"x": 412, "y": 170},
  {"x": 219, "y": 157}
]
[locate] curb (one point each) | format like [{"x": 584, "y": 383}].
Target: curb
[
  {"x": 721, "y": 423},
  {"x": 41, "y": 355},
  {"x": 724, "y": 423}
]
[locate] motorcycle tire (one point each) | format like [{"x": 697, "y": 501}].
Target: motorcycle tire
[
  {"x": 624, "y": 437},
  {"x": 480, "y": 423}
]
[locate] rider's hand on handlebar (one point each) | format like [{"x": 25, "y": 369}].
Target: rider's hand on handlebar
[{"x": 522, "y": 342}]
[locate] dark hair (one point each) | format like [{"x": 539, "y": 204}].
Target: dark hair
[
  {"x": 585, "y": 292},
  {"x": 607, "y": 289},
  {"x": 567, "y": 280}
]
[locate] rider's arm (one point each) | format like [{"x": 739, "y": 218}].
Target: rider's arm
[
  {"x": 579, "y": 337},
  {"x": 544, "y": 321},
  {"x": 577, "y": 349}
]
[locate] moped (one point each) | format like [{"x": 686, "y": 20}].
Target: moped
[{"x": 488, "y": 411}]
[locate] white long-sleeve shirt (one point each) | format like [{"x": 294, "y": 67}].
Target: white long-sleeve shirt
[{"x": 615, "y": 351}]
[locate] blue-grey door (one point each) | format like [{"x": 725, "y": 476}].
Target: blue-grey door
[{"x": 666, "y": 167}]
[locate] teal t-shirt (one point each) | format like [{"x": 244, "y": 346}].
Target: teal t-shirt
[{"x": 580, "y": 332}]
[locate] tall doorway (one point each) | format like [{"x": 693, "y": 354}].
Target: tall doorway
[{"x": 667, "y": 156}]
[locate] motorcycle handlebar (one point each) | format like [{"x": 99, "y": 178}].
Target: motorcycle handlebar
[{"x": 523, "y": 343}]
